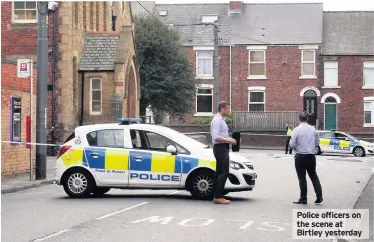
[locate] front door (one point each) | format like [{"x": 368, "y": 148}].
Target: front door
[
  {"x": 150, "y": 164},
  {"x": 330, "y": 116},
  {"x": 310, "y": 106}
]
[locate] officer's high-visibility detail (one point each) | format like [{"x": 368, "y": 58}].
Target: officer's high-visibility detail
[
  {"x": 99, "y": 157},
  {"x": 340, "y": 142}
]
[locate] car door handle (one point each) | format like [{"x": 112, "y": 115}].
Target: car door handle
[
  {"x": 138, "y": 158},
  {"x": 95, "y": 155}
]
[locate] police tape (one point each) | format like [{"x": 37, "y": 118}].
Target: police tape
[
  {"x": 29, "y": 143},
  {"x": 249, "y": 134}
]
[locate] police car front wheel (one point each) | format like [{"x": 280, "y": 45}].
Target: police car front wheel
[
  {"x": 201, "y": 184},
  {"x": 78, "y": 184},
  {"x": 359, "y": 151}
]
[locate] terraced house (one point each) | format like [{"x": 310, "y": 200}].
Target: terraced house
[
  {"x": 93, "y": 71},
  {"x": 280, "y": 57}
]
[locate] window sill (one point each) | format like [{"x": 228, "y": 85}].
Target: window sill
[
  {"x": 368, "y": 125},
  {"x": 307, "y": 77},
  {"x": 203, "y": 115},
  {"x": 205, "y": 77},
  {"x": 368, "y": 87},
  {"x": 256, "y": 78},
  {"x": 95, "y": 114},
  {"x": 331, "y": 87}
]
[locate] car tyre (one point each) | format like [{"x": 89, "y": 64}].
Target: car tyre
[
  {"x": 201, "y": 185},
  {"x": 359, "y": 152},
  {"x": 99, "y": 191},
  {"x": 78, "y": 183}
]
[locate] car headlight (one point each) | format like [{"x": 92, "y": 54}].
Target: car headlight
[
  {"x": 236, "y": 166},
  {"x": 249, "y": 165}
]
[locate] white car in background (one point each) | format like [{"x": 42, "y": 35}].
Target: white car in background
[
  {"x": 340, "y": 142},
  {"x": 96, "y": 158}
]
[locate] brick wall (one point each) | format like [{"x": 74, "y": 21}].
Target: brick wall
[{"x": 15, "y": 157}]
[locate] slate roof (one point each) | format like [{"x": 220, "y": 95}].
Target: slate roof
[
  {"x": 137, "y": 10},
  {"x": 348, "y": 33},
  {"x": 99, "y": 52},
  {"x": 284, "y": 23}
]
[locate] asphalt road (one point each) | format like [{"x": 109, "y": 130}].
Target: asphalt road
[{"x": 47, "y": 214}]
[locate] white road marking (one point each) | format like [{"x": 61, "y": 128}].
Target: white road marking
[
  {"x": 172, "y": 193},
  {"x": 121, "y": 211},
  {"x": 52, "y": 235}
]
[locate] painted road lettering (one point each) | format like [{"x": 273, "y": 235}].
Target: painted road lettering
[{"x": 201, "y": 222}]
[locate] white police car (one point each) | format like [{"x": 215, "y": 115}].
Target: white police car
[
  {"x": 96, "y": 158},
  {"x": 340, "y": 142}
]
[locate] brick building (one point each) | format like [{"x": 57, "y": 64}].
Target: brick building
[
  {"x": 271, "y": 60},
  {"x": 68, "y": 28},
  {"x": 15, "y": 93},
  {"x": 71, "y": 29}
]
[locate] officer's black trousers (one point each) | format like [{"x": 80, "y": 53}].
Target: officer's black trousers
[
  {"x": 307, "y": 163},
  {"x": 221, "y": 153},
  {"x": 288, "y": 145}
]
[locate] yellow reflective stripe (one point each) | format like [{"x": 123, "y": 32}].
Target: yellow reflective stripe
[
  {"x": 162, "y": 163},
  {"x": 116, "y": 159},
  {"x": 324, "y": 141},
  {"x": 344, "y": 143},
  {"x": 208, "y": 163},
  {"x": 73, "y": 156}
]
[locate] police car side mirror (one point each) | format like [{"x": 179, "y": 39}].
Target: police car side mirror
[
  {"x": 171, "y": 149},
  {"x": 346, "y": 138}
]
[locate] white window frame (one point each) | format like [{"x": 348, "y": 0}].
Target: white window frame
[
  {"x": 204, "y": 76},
  {"x": 367, "y": 65},
  {"x": 256, "y": 89},
  {"x": 256, "y": 48},
  {"x": 23, "y": 21},
  {"x": 101, "y": 95},
  {"x": 371, "y": 101},
  {"x": 336, "y": 67},
  {"x": 308, "y": 62},
  {"x": 204, "y": 86},
  {"x": 209, "y": 19}
]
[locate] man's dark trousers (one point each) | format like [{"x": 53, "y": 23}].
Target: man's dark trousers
[
  {"x": 221, "y": 153},
  {"x": 288, "y": 145},
  {"x": 307, "y": 163}
]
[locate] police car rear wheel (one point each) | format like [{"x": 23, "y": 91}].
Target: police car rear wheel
[
  {"x": 78, "y": 184},
  {"x": 202, "y": 185},
  {"x": 359, "y": 152}
]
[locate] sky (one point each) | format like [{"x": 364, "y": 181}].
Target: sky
[{"x": 328, "y": 5}]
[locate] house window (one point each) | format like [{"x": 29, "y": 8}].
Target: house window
[
  {"x": 204, "y": 63},
  {"x": 256, "y": 101},
  {"x": 204, "y": 100},
  {"x": 369, "y": 73},
  {"x": 95, "y": 96},
  {"x": 257, "y": 64},
  {"x": 331, "y": 73},
  {"x": 308, "y": 59},
  {"x": 369, "y": 111},
  {"x": 24, "y": 12},
  {"x": 209, "y": 19}
]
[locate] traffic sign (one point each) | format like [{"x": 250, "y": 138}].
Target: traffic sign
[{"x": 23, "y": 68}]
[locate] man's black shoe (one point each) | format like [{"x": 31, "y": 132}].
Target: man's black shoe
[
  {"x": 318, "y": 201},
  {"x": 300, "y": 202}
]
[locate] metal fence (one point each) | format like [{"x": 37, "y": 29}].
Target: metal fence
[{"x": 264, "y": 120}]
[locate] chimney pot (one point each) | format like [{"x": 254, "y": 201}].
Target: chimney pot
[{"x": 236, "y": 6}]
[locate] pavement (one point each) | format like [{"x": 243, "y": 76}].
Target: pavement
[
  {"x": 265, "y": 214},
  {"x": 21, "y": 182}
]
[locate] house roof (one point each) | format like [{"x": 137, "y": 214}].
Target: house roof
[
  {"x": 99, "y": 53},
  {"x": 137, "y": 10},
  {"x": 348, "y": 33},
  {"x": 289, "y": 23}
]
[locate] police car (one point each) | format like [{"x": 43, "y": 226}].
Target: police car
[
  {"x": 340, "y": 142},
  {"x": 130, "y": 155}
]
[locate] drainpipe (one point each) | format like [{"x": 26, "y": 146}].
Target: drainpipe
[
  {"x": 54, "y": 77},
  {"x": 230, "y": 79},
  {"x": 82, "y": 99}
]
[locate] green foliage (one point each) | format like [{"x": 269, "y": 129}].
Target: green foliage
[
  {"x": 167, "y": 81},
  {"x": 201, "y": 121},
  {"x": 228, "y": 119}
]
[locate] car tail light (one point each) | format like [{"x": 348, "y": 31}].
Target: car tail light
[{"x": 62, "y": 150}]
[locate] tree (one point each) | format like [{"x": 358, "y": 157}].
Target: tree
[{"x": 167, "y": 81}]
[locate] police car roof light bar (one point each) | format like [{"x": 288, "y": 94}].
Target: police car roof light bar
[{"x": 127, "y": 121}]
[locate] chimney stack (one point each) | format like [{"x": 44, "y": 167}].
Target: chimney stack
[{"x": 236, "y": 6}]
